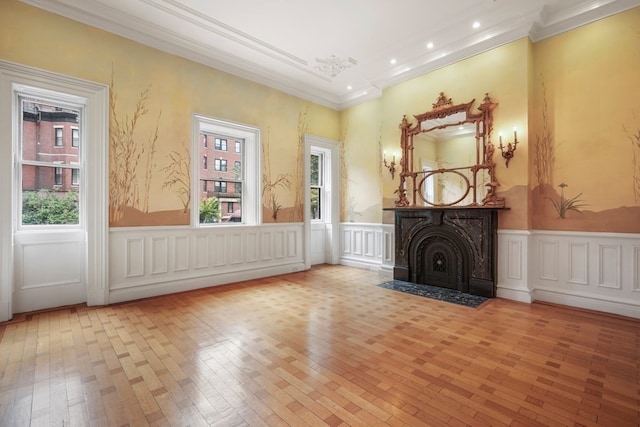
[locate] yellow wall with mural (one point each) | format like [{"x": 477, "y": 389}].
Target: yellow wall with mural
[
  {"x": 574, "y": 98},
  {"x": 166, "y": 91},
  {"x": 501, "y": 72},
  {"x": 585, "y": 174}
]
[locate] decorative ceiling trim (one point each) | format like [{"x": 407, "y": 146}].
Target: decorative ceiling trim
[{"x": 332, "y": 65}]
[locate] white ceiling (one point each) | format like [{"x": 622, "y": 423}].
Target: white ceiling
[{"x": 284, "y": 44}]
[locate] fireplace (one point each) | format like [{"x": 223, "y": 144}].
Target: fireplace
[{"x": 448, "y": 247}]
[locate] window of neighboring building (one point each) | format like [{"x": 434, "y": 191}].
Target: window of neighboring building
[
  {"x": 231, "y": 204},
  {"x": 58, "y": 137},
  {"x": 220, "y": 165},
  {"x": 221, "y": 144},
  {"x": 58, "y": 176},
  {"x": 205, "y": 141},
  {"x": 75, "y": 176},
  {"x": 237, "y": 166},
  {"x": 75, "y": 137},
  {"x": 220, "y": 186},
  {"x": 205, "y": 162}
]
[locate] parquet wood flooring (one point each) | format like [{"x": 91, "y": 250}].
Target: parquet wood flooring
[{"x": 324, "y": 347}]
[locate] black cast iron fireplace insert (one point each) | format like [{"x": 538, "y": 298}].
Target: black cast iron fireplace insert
[{"x": 453, "y": 248}]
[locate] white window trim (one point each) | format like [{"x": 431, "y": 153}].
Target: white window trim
[
  {"x": 15, "y": 76},
  {"x": 251, "y": 200}
]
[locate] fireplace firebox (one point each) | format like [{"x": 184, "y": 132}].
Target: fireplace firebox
[{"x": 453, "y": 248}]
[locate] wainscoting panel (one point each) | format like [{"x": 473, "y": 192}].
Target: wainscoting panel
[
  {"x": 597, "y": 271},
  {"x": 152, "y": 261},
  {"x": 369, "y": 246},
  {"x": 513, "y": 265}
]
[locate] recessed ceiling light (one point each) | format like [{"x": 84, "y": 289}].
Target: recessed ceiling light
[
  {"x": 349, "y": 87},
  {"x": 429, "y": 45},
  {"x": 476, "y": 24},
  {"x": 393, "y": 61}
]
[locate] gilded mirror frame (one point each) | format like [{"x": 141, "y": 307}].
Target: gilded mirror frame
[{"x": 412, "y": 179}]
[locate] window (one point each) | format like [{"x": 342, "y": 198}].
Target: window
[
  {"x": 220, "y": 186},
  {"x": 58, "y": 136},
  {"x": 220, "y": 165},
  {"x": 229, "y": 203},
  {"x": 204, "y": 163},
  {"x": 58, "y": 176},
  {"x": 205, "y": 141},
  {"x": 75, "y": 176},
  {"x": 75, "y": 137},
  {"x": 221, "y": 144},
  {"x": 49, "y": 179},
  {"x": 237, "y": 166},
  {"x": 316, "y": 185}
]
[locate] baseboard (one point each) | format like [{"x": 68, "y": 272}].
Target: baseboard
[
  {"x": 147, "y": 290},
  {"x": 515, "y": 294},
  {"x": 364, "y": 265},
  {"x": 589, "y": 302}
]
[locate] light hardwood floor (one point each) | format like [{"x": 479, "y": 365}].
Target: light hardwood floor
[{"x": 323, "y": 347}]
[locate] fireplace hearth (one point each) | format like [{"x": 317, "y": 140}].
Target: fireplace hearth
[{"x": 452, "y": 248}]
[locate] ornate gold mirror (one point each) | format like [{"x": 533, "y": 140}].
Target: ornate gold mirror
[{"x": 447, "y": 157}]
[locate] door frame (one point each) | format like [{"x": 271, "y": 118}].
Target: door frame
[
  {"x": 333, "y": 194},
  {"x": 12, "y": 77}
]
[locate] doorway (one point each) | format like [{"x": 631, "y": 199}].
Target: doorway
[{"x": 322, "y": 200}]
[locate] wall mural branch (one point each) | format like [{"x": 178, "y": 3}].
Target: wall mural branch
[
  {"x": 544, "y": 152},
  {"x": 178, "y": 177},
  {"x": 633, "y": 135},
  {"x": 270, "y": 185},
  {"x": 303, "y": 123}
]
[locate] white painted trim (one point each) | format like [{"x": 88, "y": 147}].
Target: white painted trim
[
  {"x": 369, "y": 246},
  {"x": 96, "y": 157},
  {"x": 332, "y": 153}
]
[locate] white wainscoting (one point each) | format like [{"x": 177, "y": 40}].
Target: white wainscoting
[
  {"x": 369, "y": 246},
  {"x": 150, "y": 261},
  {"x": 597, "y": 271}
]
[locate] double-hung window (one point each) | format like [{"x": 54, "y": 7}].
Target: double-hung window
[{"x": 230, "y": 201}]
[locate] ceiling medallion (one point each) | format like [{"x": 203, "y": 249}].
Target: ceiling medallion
[{"x": 332, "y": 66}]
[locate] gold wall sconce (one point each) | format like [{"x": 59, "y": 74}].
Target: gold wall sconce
[
  {"x": 390, "y": 165},
  {"x": 507, "y": 152}
]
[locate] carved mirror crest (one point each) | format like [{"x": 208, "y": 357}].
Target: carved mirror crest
[{"x": 447, "y": 157}]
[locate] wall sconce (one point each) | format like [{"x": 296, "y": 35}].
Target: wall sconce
[
  {"x": 507, "y": 152},
  {"x": 389, "y": 165}
]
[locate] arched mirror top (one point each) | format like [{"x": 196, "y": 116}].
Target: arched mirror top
[{"x": 447, "y": 156}]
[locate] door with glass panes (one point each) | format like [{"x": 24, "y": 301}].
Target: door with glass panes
[{"x": 49, "y": 225}]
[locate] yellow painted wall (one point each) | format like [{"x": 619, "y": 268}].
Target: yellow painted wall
[
  {"x": 177, "y": 88},
  {"x": 586, "y": 84},
  {"x": 501, "y": 72}
]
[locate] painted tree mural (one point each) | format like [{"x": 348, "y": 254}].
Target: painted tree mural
[
  {"x": 271, "y": 185},
  {"x": 178, "y": 177},
  {"x": 544, "y": 155},
  {"x": 126, "y": 148},
  {"x": 633, "y": 136},
  {"x": 303, "y": 123}
]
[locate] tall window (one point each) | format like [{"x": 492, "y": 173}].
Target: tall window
[
  {"x": 228, "y": 203},
  {"x": 49, "y": 174},
  {"x": 58, "y": 136},
  {"x": 75, "y": 137},
  {"x": 204, "y": 162},
  {"x": 316, "y": 186}
]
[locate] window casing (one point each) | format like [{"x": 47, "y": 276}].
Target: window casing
[{"x": 220, "y": 165}]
